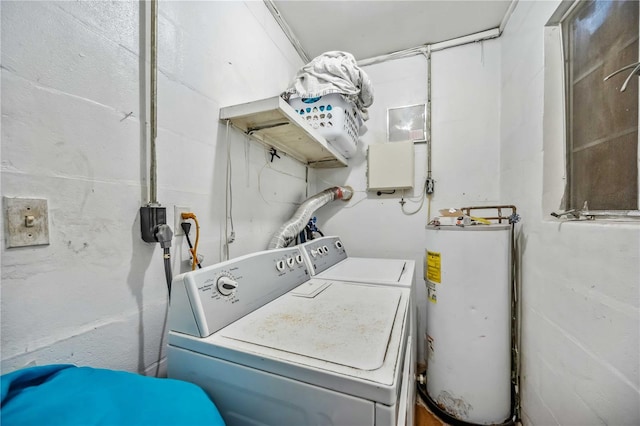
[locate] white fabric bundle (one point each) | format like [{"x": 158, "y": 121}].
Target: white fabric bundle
[{"x": 333, "y": 72}]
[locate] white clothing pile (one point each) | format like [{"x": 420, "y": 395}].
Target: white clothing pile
[{"x": 333, "y": 72}]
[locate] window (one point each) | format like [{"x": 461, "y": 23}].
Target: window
[{"x": 601, "y": 37}]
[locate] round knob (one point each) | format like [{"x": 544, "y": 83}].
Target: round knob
[
  {"x": 338, "y": 244},
  {"x": 326, "y": 249},
  {"x": 299, "y": 258},
  {"x": 290, "y": 262},
  {"x": 314, "y": 253},
  {"x": 226, "y": 285}
]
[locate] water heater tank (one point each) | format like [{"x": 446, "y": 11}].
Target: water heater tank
[{"x": 467, "y": 273}]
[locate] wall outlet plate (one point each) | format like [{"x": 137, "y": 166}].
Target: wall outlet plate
[
  {"x": 177, "y": 219},
  {"x": 26, "y": 222}
]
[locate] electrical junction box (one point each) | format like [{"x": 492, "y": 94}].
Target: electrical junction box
[
  {"x": 390, "y": 166},
  {"x": 152, "y": 216}
]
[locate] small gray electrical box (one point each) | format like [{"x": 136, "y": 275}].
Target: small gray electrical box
[{"x": 390, "y": 166}]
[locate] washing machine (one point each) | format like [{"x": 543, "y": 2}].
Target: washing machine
[
  {"x": 272, "y": 345},
  {"x": 327, "y": 258}
]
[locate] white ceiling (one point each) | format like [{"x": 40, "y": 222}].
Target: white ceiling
[{"x": 372, "y": 28}]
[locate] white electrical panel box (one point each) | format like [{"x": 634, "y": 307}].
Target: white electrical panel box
[{"x": 390, "y": 166}]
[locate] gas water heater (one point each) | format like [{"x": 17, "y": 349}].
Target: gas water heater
[{"x": 468, "y": 339}]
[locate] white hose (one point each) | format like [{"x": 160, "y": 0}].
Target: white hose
[{"x": 300, "y": 218}]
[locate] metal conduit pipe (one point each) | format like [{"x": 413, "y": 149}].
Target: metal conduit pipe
[
  {"x": 301, "y": 217},
  {"x": 153, "y": 185}
]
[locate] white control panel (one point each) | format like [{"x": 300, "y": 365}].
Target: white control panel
[
  {"x": 323, "y": 253},
  {"x": 205, "y": 300}
]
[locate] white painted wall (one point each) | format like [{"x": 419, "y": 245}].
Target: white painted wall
[
  {"x": 580, "y": 281},
  {"x": 96, "y": 296},
  {"x": 465, "y": 165},
  {"x": 71, "y": 73}
]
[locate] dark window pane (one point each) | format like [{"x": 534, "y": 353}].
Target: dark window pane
[
  {"x": 600, "y": 110},
  {"x": 602, "y": 28},
  {"x": 602, "y": 37},
  {"x": 606, "y": 175}
]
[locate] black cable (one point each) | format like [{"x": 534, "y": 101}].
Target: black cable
[
  {"x": 167, "y": 268},
  {"x": 186, "y": 227}
]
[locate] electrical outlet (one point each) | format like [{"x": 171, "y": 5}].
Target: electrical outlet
[{"x": 177, "y": 219}]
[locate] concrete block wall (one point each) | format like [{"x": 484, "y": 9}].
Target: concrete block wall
[
  {"x": 74, "y": 108},
  {"x": 580, "y": 281}
]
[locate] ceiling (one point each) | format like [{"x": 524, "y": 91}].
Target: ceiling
[{"x": 370, "y": 28}]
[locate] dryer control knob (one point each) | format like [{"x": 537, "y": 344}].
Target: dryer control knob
[
  {"x": 226, "y": 285},
  {"x": 338, "y": 244},
  {"x": 314, "y": 253}
]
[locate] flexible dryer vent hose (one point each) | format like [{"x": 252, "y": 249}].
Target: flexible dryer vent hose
[{"x": 300, "y": 218}]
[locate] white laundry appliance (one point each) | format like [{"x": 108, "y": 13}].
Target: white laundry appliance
[
  {"x": 327, "y": 259},
  {"x": 273, "y": 346}
]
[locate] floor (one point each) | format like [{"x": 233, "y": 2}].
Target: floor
[{"x": 424, "y": 416}]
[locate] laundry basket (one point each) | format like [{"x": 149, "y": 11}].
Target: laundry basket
[{"x": 333, "y": 116}]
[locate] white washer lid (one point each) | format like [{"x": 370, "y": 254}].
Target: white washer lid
[
  {"x": 383, "y": 271},
  {"x": 342, "y": 323}
]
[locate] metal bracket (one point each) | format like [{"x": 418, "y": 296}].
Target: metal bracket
[
  {"x": 512, "y": 218},
  {"x": 252, "y": 130}
]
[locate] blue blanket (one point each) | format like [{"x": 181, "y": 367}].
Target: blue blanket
[{"x": 69, "y": 395}]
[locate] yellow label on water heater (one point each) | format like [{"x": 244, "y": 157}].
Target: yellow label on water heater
[{"x": 433, "y": 267}]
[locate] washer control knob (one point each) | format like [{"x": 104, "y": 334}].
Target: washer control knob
[
  {"x": 226, "y": 285},
  {"x": 298, "y": 258},
  {"x": 326, "y": 249},
  {"x": 280, "y": 265},
  {"x": 314, "y": 253},
  {"x": 290, "y": 262},
  {"x": 320, "y": 250},
  {"x": 339, "y": 244}
]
